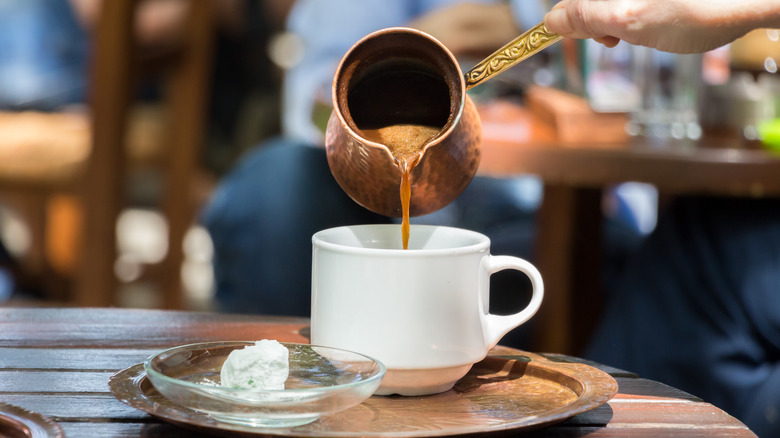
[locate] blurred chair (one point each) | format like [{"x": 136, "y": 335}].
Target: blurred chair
[{"x": 59, "y": 153}]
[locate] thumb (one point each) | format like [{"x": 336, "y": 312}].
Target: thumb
[
  {"x": 557, "y": 20},
  {"x": 579, "y": 19}
]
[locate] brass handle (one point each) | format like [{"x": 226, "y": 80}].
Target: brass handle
[{"x": 529, "y": 43}]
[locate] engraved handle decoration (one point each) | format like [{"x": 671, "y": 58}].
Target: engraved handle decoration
[{"x": 532, "y": 41}]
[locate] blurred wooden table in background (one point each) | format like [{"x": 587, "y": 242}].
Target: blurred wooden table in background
[{"x": 575, "y": 174}]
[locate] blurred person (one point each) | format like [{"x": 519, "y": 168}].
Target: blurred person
[
  {"x": 263, "y": 214},
  {"x": 43, "y": 54},
  {"x": 44, "y": 45},
  {"x": 44, "y": 66},
  {"x": 699, "y": 306}
]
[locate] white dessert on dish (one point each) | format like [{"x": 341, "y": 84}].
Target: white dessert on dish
[{"x": 263, "y": 366}]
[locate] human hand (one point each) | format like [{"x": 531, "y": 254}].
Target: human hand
[{"x": 680, "y": 26}]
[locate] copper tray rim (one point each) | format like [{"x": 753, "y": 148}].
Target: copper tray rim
[
  {"x": 593, "y": 387},
  {"x": 32, "y": 424}
]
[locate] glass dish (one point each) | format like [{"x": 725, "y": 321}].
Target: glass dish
[{"x": 322, "y": 381}]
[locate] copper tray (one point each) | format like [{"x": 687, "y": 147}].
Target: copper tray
[
  {"x": 18, "y": 422},
  {"x": 510, "y": 390}
]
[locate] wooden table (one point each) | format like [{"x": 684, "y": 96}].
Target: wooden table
[
  {"x": 57, "y": 362},
  {"x": 569, "y": 222}
]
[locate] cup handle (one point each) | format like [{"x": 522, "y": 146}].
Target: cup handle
[{"x": 496, "y": 326}]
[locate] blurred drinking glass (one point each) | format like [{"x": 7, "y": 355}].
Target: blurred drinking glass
[{"x": 670, "y": 87}]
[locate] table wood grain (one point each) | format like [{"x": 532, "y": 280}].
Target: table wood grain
[{"x": 57, "y": 362}]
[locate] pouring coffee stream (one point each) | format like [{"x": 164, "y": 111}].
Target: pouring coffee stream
[
  {"x": 405, "y": 143},
  {"x": 402, "y": 118}
]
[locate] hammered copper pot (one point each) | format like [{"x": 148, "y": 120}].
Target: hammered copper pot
[{"x": 402, "y": 76}]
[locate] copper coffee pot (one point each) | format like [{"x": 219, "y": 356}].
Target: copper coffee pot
[{"x": 405, "y": 76}]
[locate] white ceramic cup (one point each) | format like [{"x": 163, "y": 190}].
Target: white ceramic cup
[{"x": 423, "y": 312}]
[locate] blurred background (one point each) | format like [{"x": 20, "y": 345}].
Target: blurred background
[
  {"x": 118, "y": 120},
  {"x": 120, "y": 113},
  {"x": 166, "y": 154}
]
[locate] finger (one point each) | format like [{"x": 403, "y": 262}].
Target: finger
[
  {"x": 557, "y": 20},
  {"x": 608, "y": 41},
  {"x": 560, "y": 21}
]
